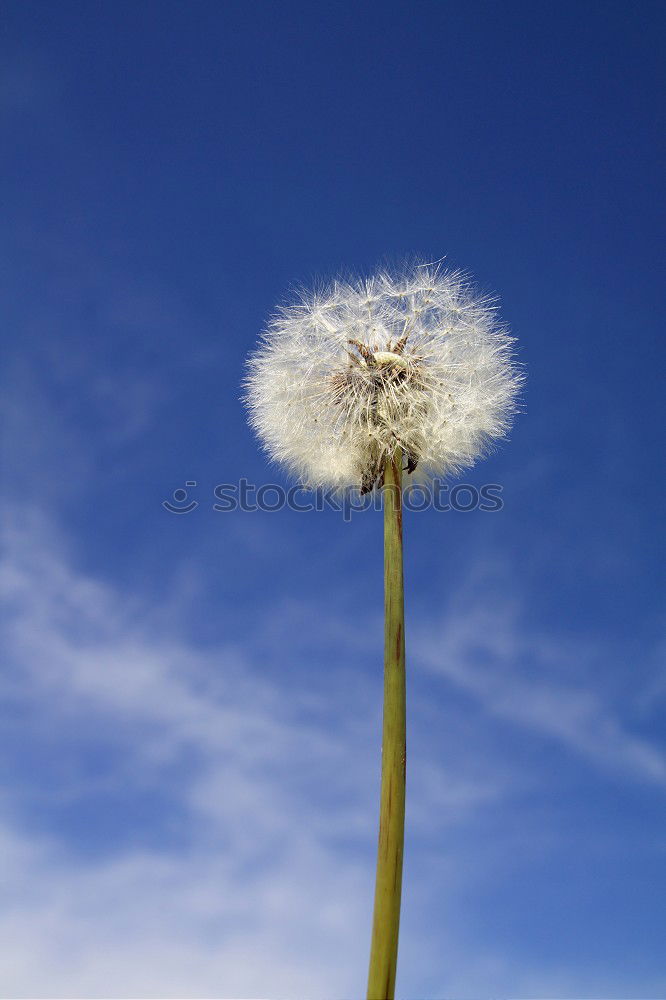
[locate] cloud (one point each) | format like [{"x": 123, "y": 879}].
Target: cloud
[
  {"x": 149, "y": 924},
  {"x": 185, "y": 822},
  {"x": 256, "y": 897},
  {"x": 543, "y": 683}
]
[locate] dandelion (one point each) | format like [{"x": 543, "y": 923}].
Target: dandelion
[
  {"x": 352, "y": 386},
  {"x": 347, "y": 377}
]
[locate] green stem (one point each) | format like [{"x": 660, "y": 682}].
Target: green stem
[{"x": 386, "y": 919}]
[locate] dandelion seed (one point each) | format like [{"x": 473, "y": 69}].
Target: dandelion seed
[{"x": 346, "y": 378}]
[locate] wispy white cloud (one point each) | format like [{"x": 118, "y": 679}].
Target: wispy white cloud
[
  {"x": 257, "y": 879},
  {"x": 537, "y": 681},
  {"x": 151, "y": 924},
  {"x": 258, "y": 899}
]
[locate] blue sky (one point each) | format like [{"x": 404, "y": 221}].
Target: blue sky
[{"x": 193, "y": 702}]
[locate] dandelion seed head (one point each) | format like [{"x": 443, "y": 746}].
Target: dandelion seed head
[{"x": 416, "y": 363}]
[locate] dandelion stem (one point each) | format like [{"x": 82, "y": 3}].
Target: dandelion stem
[{"x": 386, "y": 919}]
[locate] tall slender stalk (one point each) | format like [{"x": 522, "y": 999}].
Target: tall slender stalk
[{"x": 386, "y": 919}]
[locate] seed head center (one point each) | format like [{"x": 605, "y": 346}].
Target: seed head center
[{"x": 382, "y": 358}]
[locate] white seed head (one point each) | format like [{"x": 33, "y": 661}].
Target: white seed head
[{"x": 347, "y": 377}]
